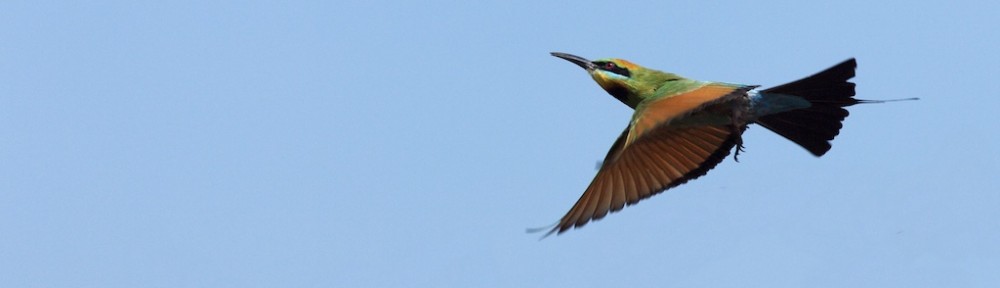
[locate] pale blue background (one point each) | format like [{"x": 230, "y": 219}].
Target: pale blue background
[{"x": 409, "y": 144}]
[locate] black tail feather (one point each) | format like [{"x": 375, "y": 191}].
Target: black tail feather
[{"x": 829, "y": 91}]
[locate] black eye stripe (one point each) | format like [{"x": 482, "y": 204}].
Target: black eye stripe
[{"x": 613, "y": 68}]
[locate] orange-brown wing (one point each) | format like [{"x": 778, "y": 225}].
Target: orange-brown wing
[
  {"x": 667, "y": 109},
  {"x": 661, "y": 160},
  {"x": 652, "y": 156}
]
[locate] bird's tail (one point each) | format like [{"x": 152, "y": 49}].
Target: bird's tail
[{"x": 828, "y": 92}]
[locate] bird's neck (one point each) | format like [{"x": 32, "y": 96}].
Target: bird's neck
[{"x": 642, "y": 85}]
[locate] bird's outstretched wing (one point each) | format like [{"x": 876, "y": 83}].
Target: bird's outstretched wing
[{"x": 653, "y": 155}]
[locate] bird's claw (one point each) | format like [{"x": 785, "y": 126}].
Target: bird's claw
[{"x": 739, "y": 148}]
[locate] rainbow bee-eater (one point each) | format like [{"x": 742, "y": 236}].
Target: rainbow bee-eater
[{"x": 682, "y": 128}]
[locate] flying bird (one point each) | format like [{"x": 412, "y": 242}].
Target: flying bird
[{"x": 682, "y": 128}]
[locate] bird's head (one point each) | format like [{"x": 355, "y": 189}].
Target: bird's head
[{"x": 622, "y": 79}]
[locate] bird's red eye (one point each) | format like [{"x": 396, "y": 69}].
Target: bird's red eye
[{"x": 610, "y": 65}]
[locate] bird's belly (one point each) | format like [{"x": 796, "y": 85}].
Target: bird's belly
[
  {"x": 704, "y": 119},
  {"x": 718, "y": 114}
]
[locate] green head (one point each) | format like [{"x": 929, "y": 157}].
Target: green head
[{"x": 626, "y": 81}]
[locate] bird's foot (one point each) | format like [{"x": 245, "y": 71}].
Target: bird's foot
[
  {"x": 739, "y": 143},
  {"x": 739, "y": 148}
]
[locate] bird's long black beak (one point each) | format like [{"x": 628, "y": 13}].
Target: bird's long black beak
[{"x": 580, "y": 61}]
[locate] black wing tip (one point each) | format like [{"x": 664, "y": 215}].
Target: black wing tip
[{"x": 554, "y": 227}]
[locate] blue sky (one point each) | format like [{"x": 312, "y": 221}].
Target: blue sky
[{"x": 409, "y": 144}]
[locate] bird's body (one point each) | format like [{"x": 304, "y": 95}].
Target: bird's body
[{"x": 682, "y": 127}]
